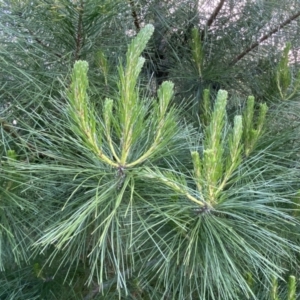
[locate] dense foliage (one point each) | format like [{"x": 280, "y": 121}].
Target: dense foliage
[{"x": 149, "y": 149}]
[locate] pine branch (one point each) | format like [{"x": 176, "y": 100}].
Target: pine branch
[
  {"x": 135, "y": 16},
  {"x": 79, "y": 35},
  {"x": 214, "y": 14},
  {"x": 265, "y": 37},
  {"x": 212, "y": 18}
]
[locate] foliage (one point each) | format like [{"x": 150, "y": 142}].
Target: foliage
[{"x": 151, "y": 174}]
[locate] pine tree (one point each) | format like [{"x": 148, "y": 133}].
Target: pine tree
[{"x": 135, "y": 162}]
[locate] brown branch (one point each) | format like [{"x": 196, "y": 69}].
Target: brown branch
[
  {"x": 135, "y": 16},
  {"x": 212, "y": 18},
  {"x": 78, "y": 38},
  {"x": 214, "y": 14},
  {"x": 265, "y": 37}
]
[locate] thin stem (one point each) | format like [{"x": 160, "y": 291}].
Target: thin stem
[
  {"x": 173, "y": 185},
  {"x": 99, "y": 152},
  {"x": 112, "y": 148},
  {"x": 151, "y": 149}
]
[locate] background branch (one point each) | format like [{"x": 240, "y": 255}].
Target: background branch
[
  {"x": 135, "y": 16},
  {"x": 265, "y": 37},
  {"x": 212, "y": 18},
  {"x": 79, "y": 35},
  {"x": 215, "y": 13}
]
